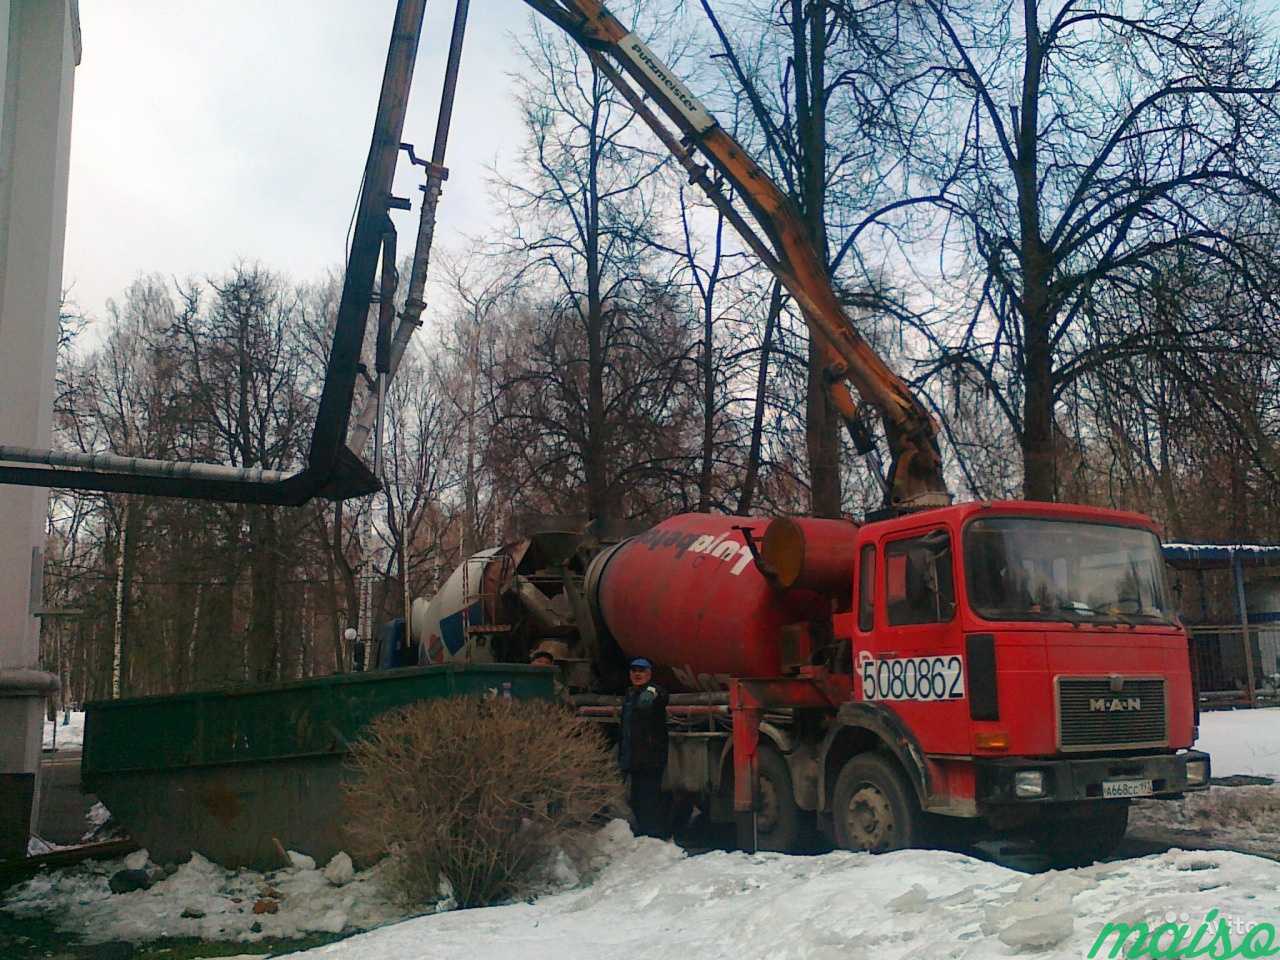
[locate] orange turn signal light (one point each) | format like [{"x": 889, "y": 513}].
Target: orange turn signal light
[{"x": 992, "y": 740}]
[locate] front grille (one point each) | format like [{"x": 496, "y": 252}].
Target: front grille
[{"x": 1092, "y": 715}]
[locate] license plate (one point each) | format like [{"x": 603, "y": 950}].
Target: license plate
[{"x": 1126, "y": 788}]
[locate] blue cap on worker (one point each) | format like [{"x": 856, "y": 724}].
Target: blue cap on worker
[{"x": 640, "y": 663}]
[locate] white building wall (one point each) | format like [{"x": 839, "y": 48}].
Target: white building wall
[{"x": 39, "y": 47}]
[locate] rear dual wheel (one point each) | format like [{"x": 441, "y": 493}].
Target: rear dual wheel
[{"x": 778, "y": 819}]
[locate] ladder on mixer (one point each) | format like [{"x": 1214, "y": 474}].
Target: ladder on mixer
[{"x": 482, "y": 582}]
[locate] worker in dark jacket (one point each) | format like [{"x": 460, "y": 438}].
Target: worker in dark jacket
[{"x": 642, "y": 750}]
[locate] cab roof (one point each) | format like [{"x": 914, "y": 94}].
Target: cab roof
[{"x": 958, "y": 513}]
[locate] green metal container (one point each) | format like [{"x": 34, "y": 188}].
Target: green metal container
[{"x": 231, "y": 773}]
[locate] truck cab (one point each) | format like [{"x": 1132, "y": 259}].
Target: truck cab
[{"x": 1027, "y": 657}]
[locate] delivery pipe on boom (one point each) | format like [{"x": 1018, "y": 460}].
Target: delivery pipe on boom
[
  {"x": 437, "y": 173},
  {"x": 331, "y": 469},
  {"x": 915, "y": 478},
  {"x": 370, "y": 227}
]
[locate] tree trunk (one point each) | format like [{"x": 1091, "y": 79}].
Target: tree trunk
[
  {"x": 331, "y": 593},
  {"x": 709, "y": 379},
  {"x": 809, "y": 52},
  {"x": 600, "y": 498},
  {"x": 117, "y": 636},
  {"x": 339, "y": 565},
  {"x": 1039, "y": 471},
  {"x": 263, "y": 653},
  {"x": 471, "y": 511},
  {"x": 748, "y": 493},
  {"x": 125, "y": 566},
  {"x": 190, "y": 673}
]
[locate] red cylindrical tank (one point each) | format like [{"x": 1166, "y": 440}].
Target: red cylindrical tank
[
  {"x": 810, "y": 553},
  {"x": 687, "y": 595}
]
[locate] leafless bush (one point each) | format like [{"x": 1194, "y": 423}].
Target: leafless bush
[{"x": 474, "y": 792}]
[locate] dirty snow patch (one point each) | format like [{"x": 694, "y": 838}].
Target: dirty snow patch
[
  {"x": 202, "y": 900},
  {"x": 69, "y": 736},
  {"x": 38, "y": 846},
  {"x": 1243, "y": 818},
  {"x": 339, "y": 870}
]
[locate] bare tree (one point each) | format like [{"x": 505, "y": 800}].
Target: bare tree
[
  {"x": 1073, "y": 145},
  {"x": 583, "y": 215},
  {"x": 802, "y": 75},
  {"x": 422, "y": 473},
  {"x": 1190, "y": 434},
  {"x": 242, "y": 368}
]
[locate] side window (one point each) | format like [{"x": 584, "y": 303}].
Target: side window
[
  {"x": 918, "y": 583},
  {"x": 867, "y": 588}
]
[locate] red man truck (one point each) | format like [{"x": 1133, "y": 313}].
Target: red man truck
[
  {"x": 1012, "y": 664},
  {"x": 1015, "y": 663},
  {"x": 1019, "y": 663}
]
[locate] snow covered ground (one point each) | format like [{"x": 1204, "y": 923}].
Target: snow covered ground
[
  {"x": 628, "y": 897},
  {"x": 632, "y": 894},
  {"x": 71, "y": 735},
  {"x": 1242, "y": 741},
  {"x": 652, "y": 898},
  {"x": 201, "y": 899},
  {"x": 1241, "y": 817}
]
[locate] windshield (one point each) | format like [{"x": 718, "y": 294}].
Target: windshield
[{"x": 1027, "y": 569}]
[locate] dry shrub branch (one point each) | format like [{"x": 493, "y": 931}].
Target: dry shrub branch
[{"x": 474, "y": 792}]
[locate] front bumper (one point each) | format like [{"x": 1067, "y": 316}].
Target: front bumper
[{"x": 1075, "y": 780}]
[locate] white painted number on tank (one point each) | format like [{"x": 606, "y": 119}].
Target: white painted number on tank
[{"x": 912, "y": 678}]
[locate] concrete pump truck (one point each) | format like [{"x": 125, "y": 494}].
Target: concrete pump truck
[{"x": 1015, "y": 663}]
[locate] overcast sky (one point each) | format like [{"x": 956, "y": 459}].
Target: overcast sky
[{"x": 205, "y": 131}]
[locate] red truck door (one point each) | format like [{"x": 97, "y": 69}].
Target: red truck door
[{"x": 908, "y": 645}]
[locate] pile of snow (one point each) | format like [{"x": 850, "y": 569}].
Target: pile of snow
[
  {"x": 651, "y": 896},
  {"x": 201, "y": 899},
  {"x": 97, "y": 817},
  {"x": 1242, "y": 741},
  {"x": 69, "y": 735}
]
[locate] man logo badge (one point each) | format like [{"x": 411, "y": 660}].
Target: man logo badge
[{"x": 1114, "y": 704}]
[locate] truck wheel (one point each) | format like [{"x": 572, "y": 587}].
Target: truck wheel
[
  {"x": 874, "y": 808},
  {"x": 778, "y": 819},
  {"x": 1083, "y": 842}
]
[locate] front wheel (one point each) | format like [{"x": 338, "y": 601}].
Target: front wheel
[{"x": 874, "y": 808}]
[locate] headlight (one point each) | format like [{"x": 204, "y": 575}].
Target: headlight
[
  {"x": 1030, "y": 783},
  {"x": 1197, "y": 772}
]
